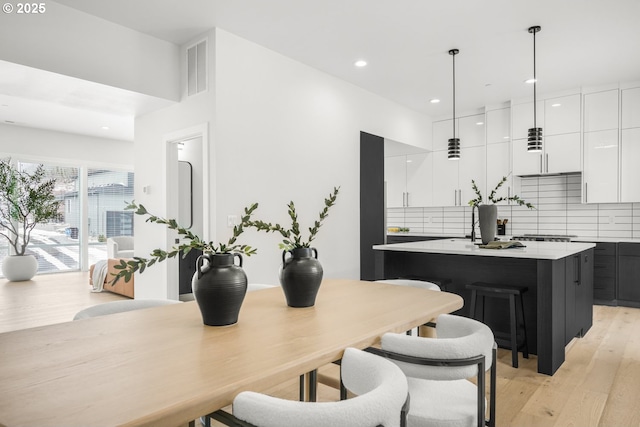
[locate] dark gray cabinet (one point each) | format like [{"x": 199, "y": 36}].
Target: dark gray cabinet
[
  {"x": 629, "y": 274},
  {"x": 400, "y": 238},
  {"x": 605, "y": 273},
  {"x": 579, "y": 293}
]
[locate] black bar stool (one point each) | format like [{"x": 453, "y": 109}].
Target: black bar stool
[{"x": 493, "y": 290}]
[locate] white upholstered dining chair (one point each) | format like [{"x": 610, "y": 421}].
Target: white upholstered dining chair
[
  {"x": 438, "y": 370},
  {"x": 423, "y": 284},
  {"x": 381, "y": 400}
]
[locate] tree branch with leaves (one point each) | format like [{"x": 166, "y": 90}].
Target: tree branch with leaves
[
  {"x": 126, "y": 268},
  {"x": 26, "y": 200},
  {"x": 492, "y": 196},
  {"x": 292, "y": 237}
]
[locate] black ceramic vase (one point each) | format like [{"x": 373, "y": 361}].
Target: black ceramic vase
[
  {"x": 488, "y": 218},
  {"x": 219, "y": 287},
  {"x": 300, "y": 276}
]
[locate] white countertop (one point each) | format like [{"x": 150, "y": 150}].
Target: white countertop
[
  {"x": 533, "y": 250},
  {"x": 573, "y": 239}
]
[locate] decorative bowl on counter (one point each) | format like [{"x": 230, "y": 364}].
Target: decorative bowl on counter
[{"x": 397, "y": 230}]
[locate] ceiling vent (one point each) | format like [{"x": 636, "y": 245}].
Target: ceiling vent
[{"x": 197, "y": 68}]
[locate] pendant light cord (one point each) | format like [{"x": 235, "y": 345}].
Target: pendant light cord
[
  {"x": 454, "y": 52},
  {"x": 535, "y": 81},
  {"x": 454, "y": 95}
]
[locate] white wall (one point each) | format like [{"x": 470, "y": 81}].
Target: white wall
[
  {"x": 152, "y": 133},
  {"x": 64, "y": 148},
  {"x": 286, "y": 131},
  {"x": 279, "y": 131},
  {"x": 73, "y": 43}
]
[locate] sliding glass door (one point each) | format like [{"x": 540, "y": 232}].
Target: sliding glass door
[
  {"x": 55, "y": 244},
  {"x": 58, "y": 244}
]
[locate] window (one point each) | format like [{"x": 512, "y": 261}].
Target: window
[
  {"x": 57, "y": 244},
  {"x": 107, "y": 195}
]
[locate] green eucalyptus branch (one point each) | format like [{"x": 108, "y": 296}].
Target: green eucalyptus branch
[
  {"x": 292, "y": 237},
  {"x": 126, "y": 268},
  {"x": 492, "y": 196}
]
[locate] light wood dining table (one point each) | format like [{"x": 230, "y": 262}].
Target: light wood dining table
[{"x": 162, "y": 367}]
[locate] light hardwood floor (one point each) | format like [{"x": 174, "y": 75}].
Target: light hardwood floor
[{"x": 598, "y": 385}]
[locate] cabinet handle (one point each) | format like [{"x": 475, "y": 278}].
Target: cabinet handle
[
  {"x": 586, "y": 194},
  {"x": 455, "y": 197},
  {"x": 407, "y": 199},
  {"x": 541, "y": 170},
  {"x": 546, "y": 160}
]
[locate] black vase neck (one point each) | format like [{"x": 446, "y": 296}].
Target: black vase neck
[
  {"x": 220, "y": 260},
  {"x": 302, "y": 252}
]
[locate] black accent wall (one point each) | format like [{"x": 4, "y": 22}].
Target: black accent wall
[{"x": 372, "y": 226}]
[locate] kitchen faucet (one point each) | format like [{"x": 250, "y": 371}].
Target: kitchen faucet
[{"x": 473, "y": 222}]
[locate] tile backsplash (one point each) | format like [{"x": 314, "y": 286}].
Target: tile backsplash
[{"x": 558, "y": 211}]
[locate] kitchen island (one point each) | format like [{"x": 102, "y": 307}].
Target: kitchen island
[{"x": 558, "y": 305}]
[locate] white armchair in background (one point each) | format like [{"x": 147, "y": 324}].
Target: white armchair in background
[{"x": 120, "y": 247}]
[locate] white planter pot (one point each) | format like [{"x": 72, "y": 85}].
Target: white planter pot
[{"x": 17, "y": 268}]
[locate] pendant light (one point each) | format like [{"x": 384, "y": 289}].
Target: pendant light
[
  {"x": 453, "y": 148},
  {"x": 534, "y": 141}
]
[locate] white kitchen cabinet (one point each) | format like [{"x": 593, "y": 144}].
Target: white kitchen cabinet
[
  {"x": 630, "y": 108},
  {"x": 629, "y": 170},
  {"x": 498, "y": 166},
  {"x": 472, "y": 167},
  {"x": 601, "y": 172},
  {"x": 522, "y": 119},
  {"x": 442, "y": 131},
  {"x": 560, "y": 137},
  {"x": 419, "y": 179},
  {"x": 562, "y": 153},
  {"x": 562, "y": 115},
  {"x": 601, "y": 111},
  {"x": 395, "y": 176},
  {"x": 471, "y": 131},
  {"x": 555, "y": 116},
  {"x": 408, "y": 180},
  {"x": 445, "y": 180},
  {"x": 452, "y": 178},
  {"x": 498, "y": 125},
  {"x": 525, "y": 162}
]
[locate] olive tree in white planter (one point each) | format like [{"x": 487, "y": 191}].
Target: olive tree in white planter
[{"x": 26, "y": 199}]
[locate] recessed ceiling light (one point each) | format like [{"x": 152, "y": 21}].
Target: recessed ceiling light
[
  {"x": 530, "y": 81},
  {"x": 105, "y": 128},
  {"x": 556, "y": 105},
  {"x": 505, "y": 137},
  {"x": 480, "y": 123},
  {"x": 434, "y": 100},
  {"x": 360, "y": 63}
]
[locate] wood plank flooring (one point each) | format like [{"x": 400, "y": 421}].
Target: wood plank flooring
[{"x": 598, "y": 385}]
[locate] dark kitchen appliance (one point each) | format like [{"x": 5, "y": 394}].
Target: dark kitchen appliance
[{"x": 544, "y": 237}]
